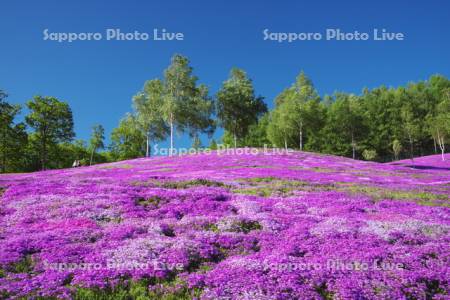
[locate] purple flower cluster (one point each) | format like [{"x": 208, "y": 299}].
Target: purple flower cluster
[{"x": 267, "y": 226}]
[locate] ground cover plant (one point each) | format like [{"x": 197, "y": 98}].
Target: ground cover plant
[{"x": 228, "y": 226}]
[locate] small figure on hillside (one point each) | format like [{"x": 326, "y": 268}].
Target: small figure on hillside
[{"x": 76, "y": 164}]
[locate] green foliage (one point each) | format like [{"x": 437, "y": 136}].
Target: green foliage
[
  {"x": 197, "y": 144},
  {"x": 213, "y": 145},
  {"x": 175, "y": 103},
  {"x": 369, "y": 154},
  {"x": 198, "y": 113},
  {"x": 148, "y": 106},
  {"x": 380, "y": 124},
  {"x": 96, "y": 141},
  {"x": 397, "y": 148},
  {"x": 24, "y": 265},
  {"x": 411, "y": 123},
  {"x": 404, "y": 113},
  {"x": 439, "y": 123},
  {"x": 154, "y": 202},
  {"x": 237, "y": 106},
  {"x": 257, "y": 133},
  {"x": 192, "y": 183},
  {"x": 377, "y": 193},
  {"x": 53, "y": 123},
  {"x": 139, "y": 290},
  {"x": 13, "y": 137},
  {"x": 298, "y": 115},
  {"x": 127, "y": 140},
  {"x": 185, "y": 106},
  {"x": 345, "y": 125},
  {"x": 279, "y": 131}
]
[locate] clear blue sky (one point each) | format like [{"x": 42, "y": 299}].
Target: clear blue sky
[{"x": 98, "y": 78}]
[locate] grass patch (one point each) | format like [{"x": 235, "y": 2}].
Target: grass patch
[
  {"x": 262, "y": 179},
  {"x": 139, "y": 290},
  {"x": 270, "y": 186},
  {"x": 377, "y": 194},
  {"x": 25, "y": 265},
  {"x": 324, "y": 170},
  {"x": 191, "y": 183},
  {"x": 124, "y": 166},
  {"x": 152, "y": 202},
  {"x": 211, "y": 227},
  {"x": 164, "y": 170},
  {"x": 244, "y": 226},
  {"x": 247, "y": 226}
]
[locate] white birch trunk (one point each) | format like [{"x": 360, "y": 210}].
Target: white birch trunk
[{"x": 171, "y": 135}]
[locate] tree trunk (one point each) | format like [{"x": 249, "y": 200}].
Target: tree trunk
[
  {"x": 301, "y": 137},
  {"x": 92, "y": 157},
  {"x": 441, "y": 143},
  {"x": 285, "y": 143},
  {"x": 411, "y": 149},
  {"x": 235, "y": 140},
  {"x": 435, "y": 146},
  {"x": 171, "y": 135},
  {"x": 353, "y": 146},
  {"x": 44, "y": 154},
  {"x": 147, "y": 152},
  {"x": 4, "y": 151}
]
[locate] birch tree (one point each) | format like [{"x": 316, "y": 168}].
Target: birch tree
[
  {"x": 300, "y": 107},
  {"x": 148, "y": 106},
  {"x": 179, "y": 89},
  {"x": 440, "y": 126}
]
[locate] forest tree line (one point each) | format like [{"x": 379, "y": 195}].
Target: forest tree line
[{"x": 382, "y": 124}]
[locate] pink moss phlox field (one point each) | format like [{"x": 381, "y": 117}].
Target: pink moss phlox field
[{"x": 266, "y": 226}]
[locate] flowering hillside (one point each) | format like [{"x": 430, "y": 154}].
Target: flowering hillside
[
  {"x": 427, "y": 162},
  {"x": 228, "y": 226}
]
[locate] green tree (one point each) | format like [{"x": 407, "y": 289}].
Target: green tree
[
  {"x": 148, "y": 106},
  {"x": 369, "y": 154},
  {"x": 381, "y": 108},
  {"x": 396, "y": 148},
  {"x": 345, "y": 125},
  {"x": 96, "y": 141},
  {"x": 279, "y": 129},
  {"x": 13, "y": 137},
  {"x": 299, "y": 111},
  {"x": 439, "y": 88},
  {"x": 257, "y": 133},
  {"x": 440, "y": 125},
  {"x": 127, "y": 140},
  {"x": 237, "y": 106},
  {"x": 196, "y": 144},
  {"x": 213, "y": 145},
  {"x": 67, "y": 152},
  {"x": 410, "y": 120},
  {"x": 198, "y": 111},
  {"x": 179, "y": 89},
  {"x": 52, "y": 121}
]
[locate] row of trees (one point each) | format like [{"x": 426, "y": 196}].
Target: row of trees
[
  {"x": 177, "y": 103},
  {"x": 379, "y": 124},
  {"x": 45, "y": 138},
  {"x": 174, "y": 104}
]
